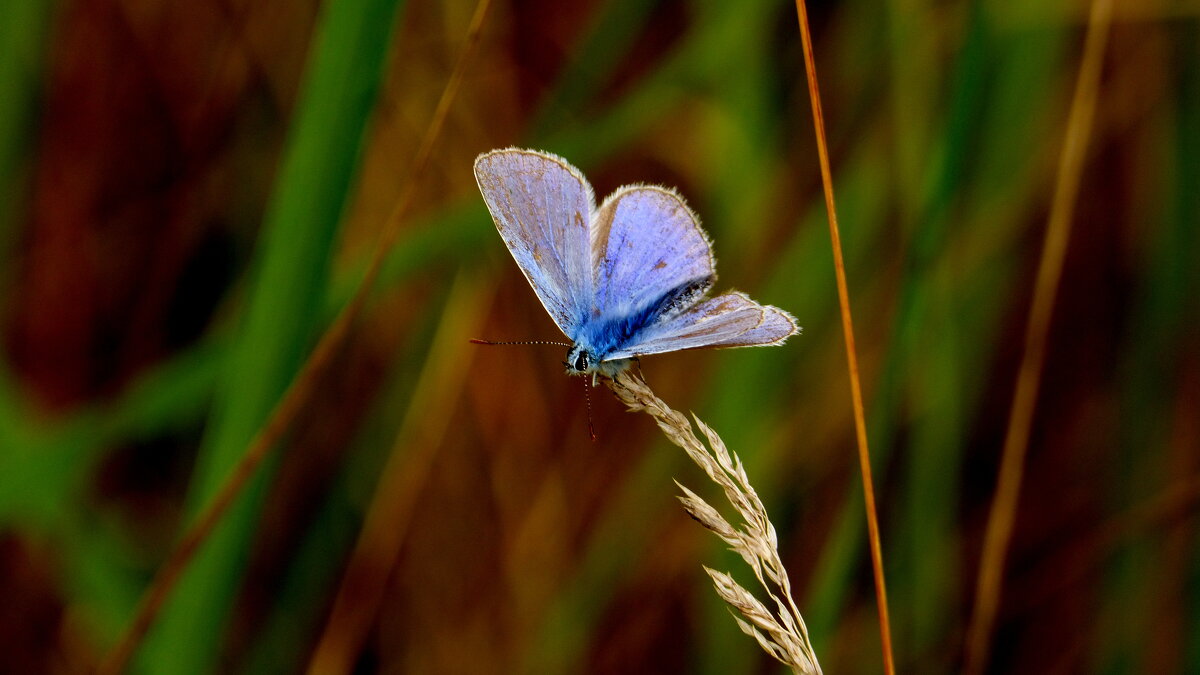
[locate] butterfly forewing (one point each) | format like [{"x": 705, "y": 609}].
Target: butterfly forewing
[
  {"x": 647, "y": 245},
  {"x": 542, "y": 207}
]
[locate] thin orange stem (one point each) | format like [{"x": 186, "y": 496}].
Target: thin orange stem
[
  {"x": 293, "y": 400},
  {"x": 860, "y": 424},
  {"x": 1058, "y": 229}
]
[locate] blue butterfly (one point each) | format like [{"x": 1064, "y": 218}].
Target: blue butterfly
[{"x": 622, "y": 281}]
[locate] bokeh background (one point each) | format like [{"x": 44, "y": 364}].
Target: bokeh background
[{"x": 190, "y": 192}]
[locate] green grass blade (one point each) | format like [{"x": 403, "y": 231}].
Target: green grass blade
[
  {"x": 23, "y": 28},
  {"x": 283, "y": 309}
]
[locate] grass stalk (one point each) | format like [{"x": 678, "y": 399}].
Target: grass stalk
[
  {"x": 298, "y": 392},
  {"x": 860, "y": 423},
  {"x": 780, "y": 630},
  {"x": 1002, "y": 516}
]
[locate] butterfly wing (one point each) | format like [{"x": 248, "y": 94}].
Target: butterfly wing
[
  {"x": 648, "y": 251},
  {"x": 729, "y": 320},
  {"x": 542, "y": 207}
]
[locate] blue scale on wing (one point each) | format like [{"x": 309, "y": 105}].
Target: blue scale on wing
[
  {"x": 607, "y": 334},
  {"x": 729, "y": 320},
  {"x": 649, "y": 255}
]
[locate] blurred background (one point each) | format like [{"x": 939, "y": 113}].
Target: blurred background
[{"x": 191, "y": 191}]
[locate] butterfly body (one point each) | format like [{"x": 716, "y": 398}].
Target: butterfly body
[{"x": 623, "y": 280}]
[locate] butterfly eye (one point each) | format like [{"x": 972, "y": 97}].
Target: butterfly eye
[{"x": 581, "y": 362}]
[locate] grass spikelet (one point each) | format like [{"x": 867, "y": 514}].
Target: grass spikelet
[{"x": 781, "y": 633}]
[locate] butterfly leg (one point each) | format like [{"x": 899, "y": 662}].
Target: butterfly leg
[{"x": 641, "y": 373}]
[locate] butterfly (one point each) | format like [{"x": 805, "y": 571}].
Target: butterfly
[{"x": 624, "y": 280}]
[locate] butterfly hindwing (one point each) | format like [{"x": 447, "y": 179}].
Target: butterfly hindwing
[
  {"x": 776, "y": 327},
  {"x": 729, "y": 320},
  {"x": 542, "y": 207}
]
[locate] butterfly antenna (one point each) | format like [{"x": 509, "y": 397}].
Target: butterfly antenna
[
  {"x": 519, "y": 342},
  {"x": 587, "y": 397}
]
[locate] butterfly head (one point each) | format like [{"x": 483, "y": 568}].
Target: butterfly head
[{"x": 581, "y": 360}]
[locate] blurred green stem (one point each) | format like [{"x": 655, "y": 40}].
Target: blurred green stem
[{"x": 283, "y": 308}]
